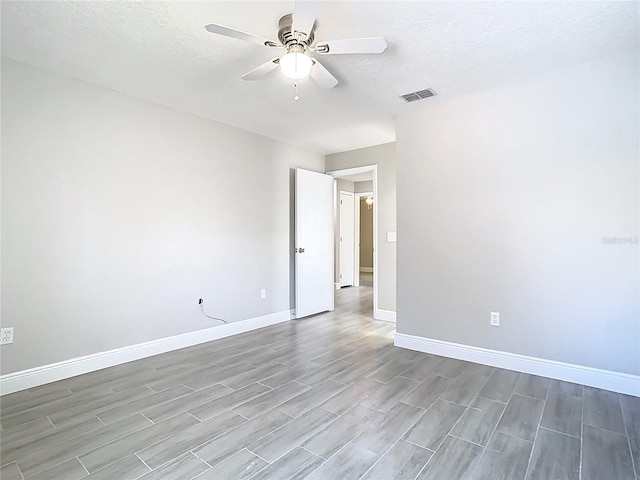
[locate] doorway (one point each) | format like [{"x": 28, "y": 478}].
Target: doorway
[{"x": 362, "y": 183}]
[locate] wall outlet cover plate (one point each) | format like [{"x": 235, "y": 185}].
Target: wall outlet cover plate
[{"x": 6, "y": 336}]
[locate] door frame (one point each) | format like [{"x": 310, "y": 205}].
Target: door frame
[{"x": 354, "y": 171}]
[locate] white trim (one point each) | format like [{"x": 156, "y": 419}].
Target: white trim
[
  {"x": 13, "y": 382},
  {"x": 351, "y": 171},
  {"x": 337, "y": 285},
  {"x": 366, "y": 269},
  {"x": 593, "y": 377},
  {"x": 376, "y": 270},
  {"x": 385, "y": 315}
]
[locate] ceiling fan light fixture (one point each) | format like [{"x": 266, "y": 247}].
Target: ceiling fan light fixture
[{"x": 296, "y": 65}]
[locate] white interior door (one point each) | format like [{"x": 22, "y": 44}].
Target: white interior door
[
  {"x": 314, "y": 243},
  {"x": 347, "y": 231}
]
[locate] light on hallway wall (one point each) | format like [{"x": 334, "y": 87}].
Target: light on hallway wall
[{"x": 369, "y": 201}]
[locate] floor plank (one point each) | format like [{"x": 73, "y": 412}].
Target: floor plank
[
  {"x": 455, "y": 458},
  {"x": 500, "y": 385},
  {"x": 403, "y": 461},
  {"x": 349, "y": 463},
  {"x": 606, "y": 455},
  {"x": 479, "y": 421},
  {"x": 556, "y": 456},
  {"x": 505, "y": 458},
  {"x": 602, "y": 409},
  {"x": 563, "y": 413},
  {"x": 521, "y": 417},
  {"x": 435, "y": 424}
]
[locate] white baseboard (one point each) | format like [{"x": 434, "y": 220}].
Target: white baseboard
[
  {"x": 33, "y": 377},
  {"x": 385, "y": 315},
  {"x": 337, "y": 285},
  {"x": 366, "y": 269},
  {"x": 593, "y": 377}
]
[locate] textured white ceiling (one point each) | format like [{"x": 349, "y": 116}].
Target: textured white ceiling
[{"x": 161, "y": 52}]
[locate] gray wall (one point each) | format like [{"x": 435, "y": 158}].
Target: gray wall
[
  {"x": 345, "y": 186},
  {"x": 384, "y": 156},
  {"x": 366, "y": 234},
  {"x": 118, "y": 214},
  {"x": 505, "y": 199},
  {"x": 364, "y": 187}
]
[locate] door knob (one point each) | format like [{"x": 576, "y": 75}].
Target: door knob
[{"x": 300, "y": 250}]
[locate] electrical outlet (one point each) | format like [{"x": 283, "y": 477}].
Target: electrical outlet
[
  {"x": 263, "y": 293},
  {"x": 6, "y": 336},
  {"x": 495, "y": 319}
]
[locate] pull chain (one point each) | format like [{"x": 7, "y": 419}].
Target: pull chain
[{"x": 297, "y": 97}]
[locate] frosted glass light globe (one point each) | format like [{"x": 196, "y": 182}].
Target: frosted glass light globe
[{"x": 296, "y": 65}]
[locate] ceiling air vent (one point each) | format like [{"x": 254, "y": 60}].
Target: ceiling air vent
[{"x": 419, "y": 95}]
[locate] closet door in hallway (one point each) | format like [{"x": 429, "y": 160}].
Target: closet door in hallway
[{"x": 347, "y": 229}]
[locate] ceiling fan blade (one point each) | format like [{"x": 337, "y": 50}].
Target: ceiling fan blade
[
  {"x": 304, "y": 16},
  {"x": 262, "y": 70},
  {"x": 233, "y": 33},
  {"x": 352, "y": 45},
  {"x": 322, "y": 76}
]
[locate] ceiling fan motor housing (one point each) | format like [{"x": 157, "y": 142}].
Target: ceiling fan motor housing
[{"x": 288, "y": 39}]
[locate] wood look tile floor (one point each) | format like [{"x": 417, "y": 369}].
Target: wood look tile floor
[{"x": 327, "y": 397}]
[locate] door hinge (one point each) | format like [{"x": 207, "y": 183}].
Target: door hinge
[
  {"x": 341, "y": 276},
  {"x": 340, "y": 202}
]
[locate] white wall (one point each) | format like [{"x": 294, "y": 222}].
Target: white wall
[
  {"x": 384, "y": 156},
  {"x": 503, "y": 202},
  {"x": 118, "y": 214}
]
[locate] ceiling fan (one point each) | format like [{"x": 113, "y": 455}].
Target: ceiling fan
[{"x": 296, "y": 35}]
